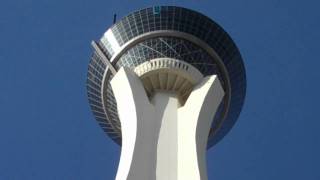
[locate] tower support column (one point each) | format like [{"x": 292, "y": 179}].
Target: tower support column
[{"x": 162, "y": 139}]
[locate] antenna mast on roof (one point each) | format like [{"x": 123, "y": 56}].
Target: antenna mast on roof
[{"x": 114, "y": 18}]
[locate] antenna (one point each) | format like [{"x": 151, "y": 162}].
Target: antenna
[{"x": 114, "y": 18}]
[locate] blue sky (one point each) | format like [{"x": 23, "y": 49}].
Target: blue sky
[{"x": 47, "y": 131}]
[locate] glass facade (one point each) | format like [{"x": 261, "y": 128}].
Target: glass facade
[{"x": 174, "y": 19}]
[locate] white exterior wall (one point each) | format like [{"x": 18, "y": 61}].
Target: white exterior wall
[{"x": 162, "y": 140}]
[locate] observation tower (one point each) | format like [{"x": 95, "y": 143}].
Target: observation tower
[{"x": 165, "y": 83}]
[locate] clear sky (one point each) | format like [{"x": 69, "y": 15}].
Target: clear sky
[{"x": 47, "y": 131}]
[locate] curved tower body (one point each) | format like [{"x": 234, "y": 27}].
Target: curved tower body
[{"x": 165, "y": 83}]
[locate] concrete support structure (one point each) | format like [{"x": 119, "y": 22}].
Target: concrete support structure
[{"x": 164, "y": 135}]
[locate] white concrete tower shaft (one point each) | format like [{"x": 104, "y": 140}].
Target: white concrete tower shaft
[{"x": 164, "y": 133}]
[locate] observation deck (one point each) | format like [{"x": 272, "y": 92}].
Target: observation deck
[{"x": 170, "y": 35}]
